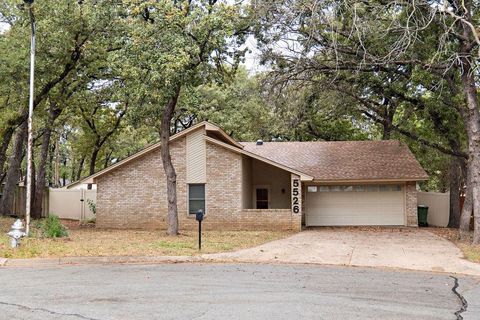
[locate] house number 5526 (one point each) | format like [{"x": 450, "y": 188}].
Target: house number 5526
[{"x": 296, "y": 195}]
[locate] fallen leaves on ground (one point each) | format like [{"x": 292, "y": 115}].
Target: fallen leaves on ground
[
  {"x": 88, "y": 241},
  {"x": 470, "y": 251}
]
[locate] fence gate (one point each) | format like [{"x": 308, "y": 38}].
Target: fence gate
[{"x": 72, "y": 204}]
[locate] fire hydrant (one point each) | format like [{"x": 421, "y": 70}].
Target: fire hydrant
[{"x": 16, "y": 233}]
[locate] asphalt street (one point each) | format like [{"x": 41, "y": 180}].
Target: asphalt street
[{"x": 231, "y": 291}]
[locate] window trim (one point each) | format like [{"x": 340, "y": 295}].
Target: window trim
[
  {"x": 267, "y": 187},
  {"x": 204, "y": 197}
]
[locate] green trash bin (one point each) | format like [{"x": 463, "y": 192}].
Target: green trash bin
[{"x": 422, "y": 212}]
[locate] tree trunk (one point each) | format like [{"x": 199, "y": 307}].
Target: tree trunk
[
  {"x": 387, "y": 126},
  {"x": 93, "y": 161},
  {"x": 471, "y": 117},
  {"x": 64, "y": 174},
  {"x": 13, "y": 173},
  {"x": 472, "y": 196},
  {"x": 388, "y": 112},
  {"x": 167, "y": 163},
  {"x": 107, "y": 159},
  {"x": 100, "y": 141},
  {"x": 7, "y": 137},
  {"x": 467, "y": 205},
  {"x": 40, "y": 182},
  {"x": 387, "y": 131},
  {"x": 80, "y": 168},
  {"x": 41, "y": 174},
  {"x": 56, "y": 175},
  {"x": 32, "y": 182},
  {"x": 476, "y": 198},
  {"x": 471, "y": 205},
  {"x": 72, "y": 171},
  {"x": 51, "y": 161},
  {"x": 455, "y": 184}
]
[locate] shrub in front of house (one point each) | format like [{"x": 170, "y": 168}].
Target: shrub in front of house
[
  {"x": 53, "y": 228},
  {"x": 92, "y": 206}
]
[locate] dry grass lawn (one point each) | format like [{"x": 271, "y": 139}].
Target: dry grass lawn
[
  {"x": 471, "y": 252},
  {"x": 88, "y": 241}
]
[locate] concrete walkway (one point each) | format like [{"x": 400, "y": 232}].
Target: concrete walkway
[{"x": 413, "y": 249}]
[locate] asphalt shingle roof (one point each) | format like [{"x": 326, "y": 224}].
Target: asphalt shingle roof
[{"x": 344, "y": 160}]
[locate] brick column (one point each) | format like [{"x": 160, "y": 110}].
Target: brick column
[
  {"x": 296, "y": 202},
  {"x": 411, "y": 204}
]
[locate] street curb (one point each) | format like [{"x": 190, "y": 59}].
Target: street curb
[
  {"x": 47, "y": 262},
  {"x": 204, "y": 258}
]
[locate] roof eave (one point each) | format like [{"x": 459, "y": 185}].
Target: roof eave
[
  {"x": 369, "y": 180},
  {"x": 212, "y": 127}
]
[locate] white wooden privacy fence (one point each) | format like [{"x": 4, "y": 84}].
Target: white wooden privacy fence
[
  {"x": 438, "y": 207},
  {"x": 68, "y": 204},
  {"x": 72, "y": 204}
]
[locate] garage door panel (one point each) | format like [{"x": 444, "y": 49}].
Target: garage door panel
[
  {"x": 355, "y": 208},
  {"x": 360, "y": 197},
  {"x": 358, "y": 220},
  {"x": 360, "y": 210},
  {"x": 359, "y": 205}
]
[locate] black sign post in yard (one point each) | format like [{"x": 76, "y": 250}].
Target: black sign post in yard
[{"x": 199, "y": 218}]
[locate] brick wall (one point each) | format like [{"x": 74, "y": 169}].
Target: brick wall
[
  {"x": 411, "y": 204},
  {"x": 224, "y": 188},
  {"x": 296, "y": 224},
  {"x": 134, "y": 195},
  {"x": 262, "y": 219}
]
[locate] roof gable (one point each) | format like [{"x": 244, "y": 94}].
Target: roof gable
[{"x": 210, "y": 129}]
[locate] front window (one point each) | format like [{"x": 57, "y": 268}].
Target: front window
[
  {"x": 262, "y": 198},
  {"x": 196, "y": 198}
]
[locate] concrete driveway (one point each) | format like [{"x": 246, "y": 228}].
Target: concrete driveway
[{"x": 405, "y": 248}]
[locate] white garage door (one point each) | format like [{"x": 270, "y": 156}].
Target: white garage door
[{"x": 355, "y": 205}]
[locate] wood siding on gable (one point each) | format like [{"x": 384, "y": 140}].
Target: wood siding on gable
[{"x": 196, "y": 157}]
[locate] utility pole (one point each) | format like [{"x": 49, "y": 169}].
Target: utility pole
[{"x": 28, "y": 208}]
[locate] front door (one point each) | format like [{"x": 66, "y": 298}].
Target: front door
[{"x": 261, "y": 197}]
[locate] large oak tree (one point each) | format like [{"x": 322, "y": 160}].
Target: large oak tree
[
  {"x": 436, "y": 40},
  {"x": 179, "y": 45}
]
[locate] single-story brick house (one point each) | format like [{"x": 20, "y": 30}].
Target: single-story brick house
[{"x": 262, "y": 185}]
